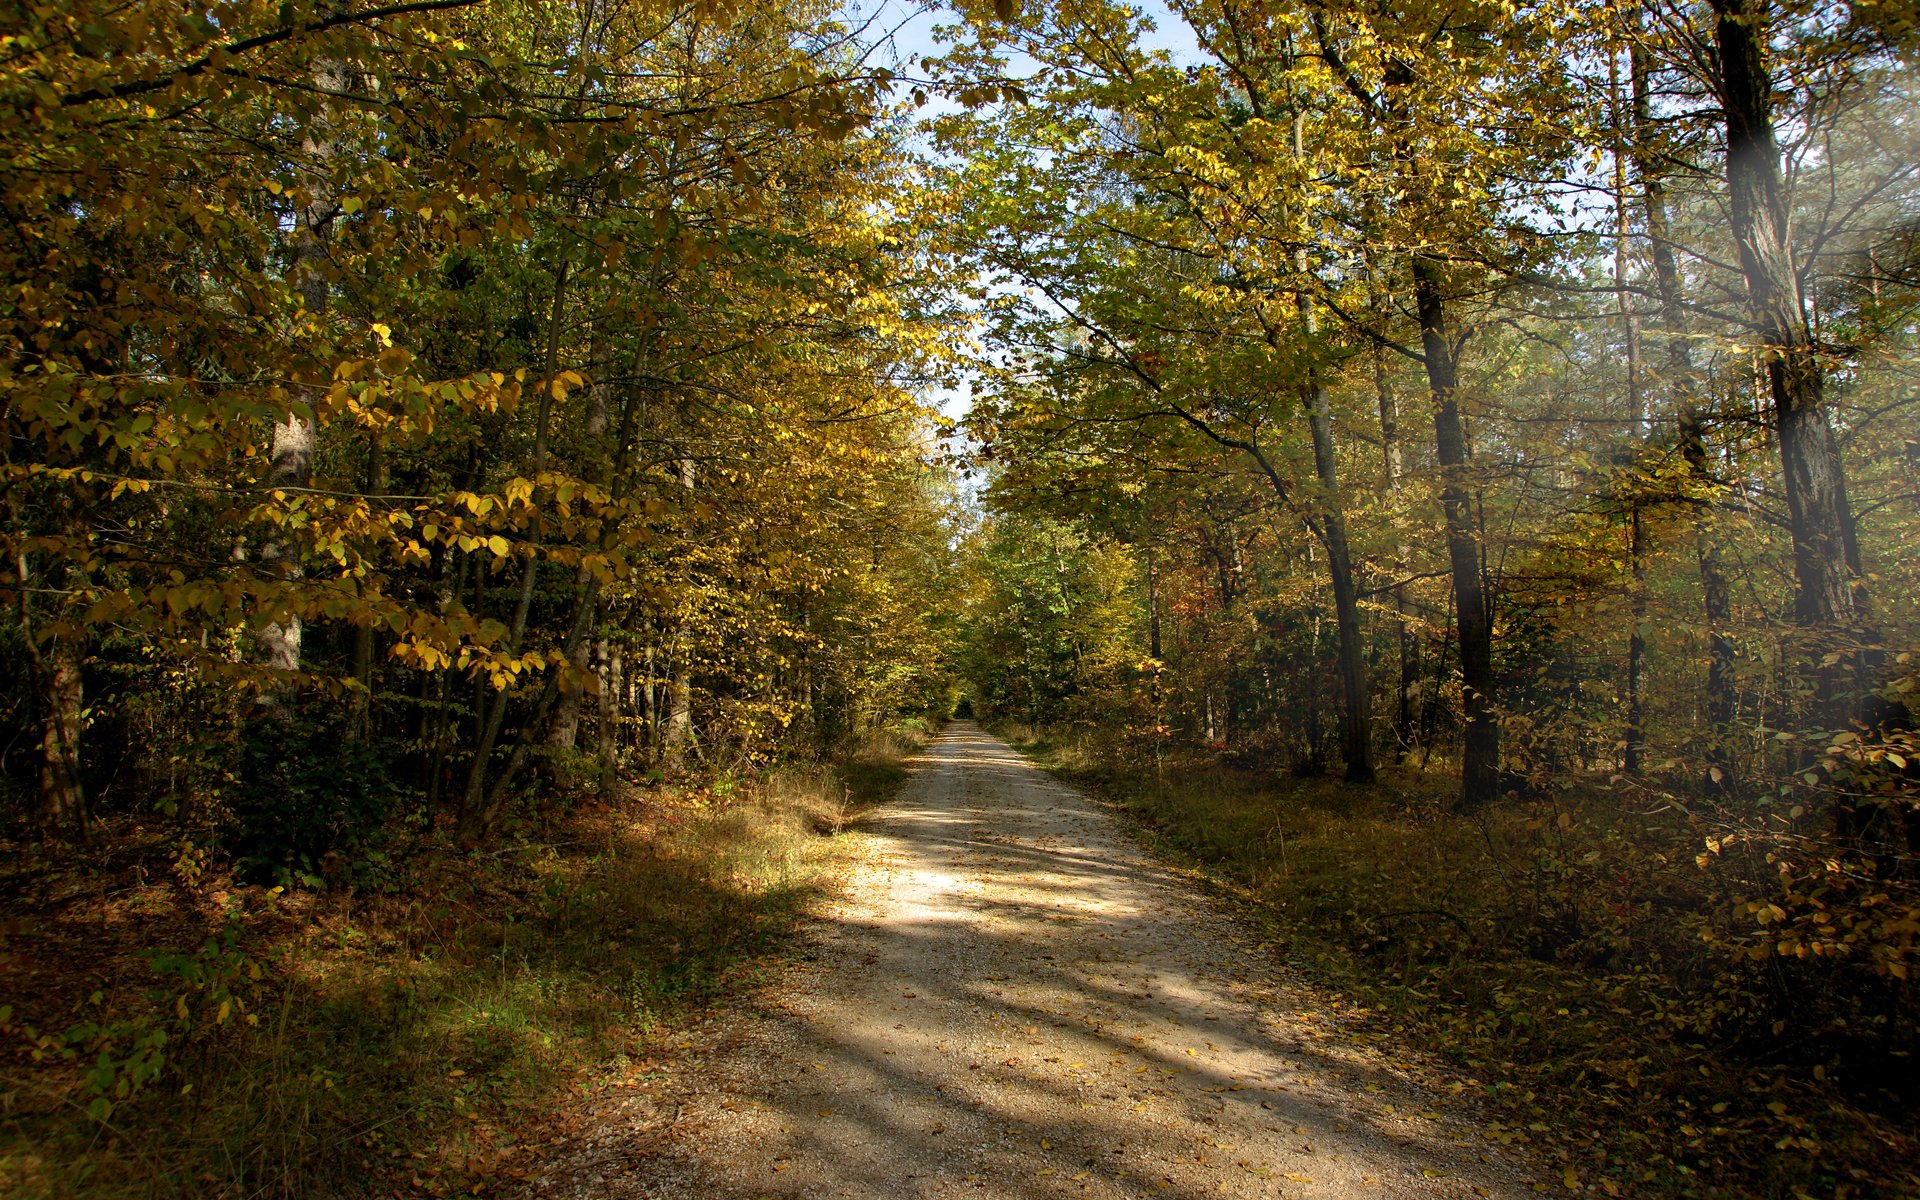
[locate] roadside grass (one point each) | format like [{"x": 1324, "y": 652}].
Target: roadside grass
[
  {"x": 1552, "y": 954},
  {"x": 426, "y": 1039}
]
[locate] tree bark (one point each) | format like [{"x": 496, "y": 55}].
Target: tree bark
[
  {"x": 56, "y": 686},
  {"x": 564, "y": 732},
  {"x": 62, "y": 799},
  {"x": 1637, "y": 542},
  {"x": 278, "y": 646},
  {"x": 1480, "y": 756},
  {"x": 364, "y": 646},
  {"x": 1830, "y": 595},
  {"x": 677, "y": 737},
  {"x": 1356, "y": 715},
  {"x": 476, "y": 807},
  {"x": 1393, "y": 464},
  {"x": 607, "y": 712}
]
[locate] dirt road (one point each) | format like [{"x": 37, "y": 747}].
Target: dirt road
[{"x": 1014, "y": 1002}]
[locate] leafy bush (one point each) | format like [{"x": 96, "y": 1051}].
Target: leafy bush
[{"x": 311, "y": 804}]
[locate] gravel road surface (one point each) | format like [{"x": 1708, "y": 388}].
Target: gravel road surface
[{"x": 1013, "y": 1000}]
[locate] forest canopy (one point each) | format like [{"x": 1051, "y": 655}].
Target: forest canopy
[{"x": 424, "y": 420}]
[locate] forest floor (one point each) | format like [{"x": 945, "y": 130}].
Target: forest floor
[
  {"x": 443, "y": 1029},
  {"x": 1012, "y": 1000}
]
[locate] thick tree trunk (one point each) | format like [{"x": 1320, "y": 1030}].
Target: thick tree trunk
[
  {"x": 1480, "y": 758},
  {"x": 1830, "y": 595}
]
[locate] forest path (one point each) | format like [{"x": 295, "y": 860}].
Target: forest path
[{"x": 1013, "y": 1001}]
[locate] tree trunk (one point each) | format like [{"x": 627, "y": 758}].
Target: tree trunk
[
  {"x": 1830, "y": 595},
  {"x": 476, "y": 806},
  {"x": 1153, "y": 608},
  {"x": 279, "y": 644},
  {"x": 607, "y": 714},
  {"x": 1677, "y": 376},
  {"x": 62, "y": 799},
  {"x": 1480, "y": 758},
  {"x": 1404, "y": 727},
  {"x": 364, "y": 646},
  {"x": 564, "y": 732},
  {"x": 650, "y": 698},
  {"x": 677, "y": 737},
  {"x": 1356, "y": 723},
  {"x": 1637, "y": 542}
]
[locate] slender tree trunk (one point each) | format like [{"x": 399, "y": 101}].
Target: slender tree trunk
[
  {"x": 1153, "y": 608},
  {"x": 651, "y": 698},
  {"x": 1831, "y": 595},
  {"x": 279, "y": 644},
  {"x": 55, "y": 681},
  {"x": 564, "y": 732},
  {"x": 361, "y": 723},
  {"x": 678, "y": 735},
  {"x": 1404, "y": 729},
  {"x": 475, "y": 807},
  {"x": 1356, "y": 724},
  {"x": 1480, "y": 758},
  {"x": 62, "y": 799},
  {"x": 1637, "y": 547},
  {"x": 1677, "y": 377},
  {"x": 608, "y": 713},
  {"x": 1718, "y": 602}
]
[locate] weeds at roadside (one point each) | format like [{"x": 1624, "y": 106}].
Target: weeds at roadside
[
  {"x": 1550, "y": 953},
  {"x": 420, "y": 1040}
]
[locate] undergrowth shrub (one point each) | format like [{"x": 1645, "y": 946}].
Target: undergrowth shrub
[{"x": 310, "y": 803}]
